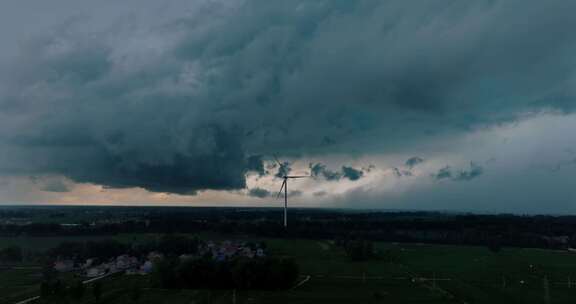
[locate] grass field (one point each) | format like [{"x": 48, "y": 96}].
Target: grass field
[
  {"x": 18, "y": 283},
  {"x": 463, "y": 274},
  {"x": 476, "y": 275}
]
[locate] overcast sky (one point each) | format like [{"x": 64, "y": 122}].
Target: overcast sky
[{"x": 436, "y": 105}]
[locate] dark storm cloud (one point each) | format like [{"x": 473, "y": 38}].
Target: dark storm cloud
[
  {"x": 331, "y": 175},
  {"x": 320, "y": 170},
  {"x": 410, "y": 164},
  {"x": 413, "y": 161},
  {"x": 283, "y": 169},
  {"x": 259, "y": 192},
  {"x": 320, "y": 193},
  {"x": 447, "y": 172},
  {"x": 256, "y": 164},
  {"x": 352, "y": 173},
  {"x": 295, "y": 193},
  {"x": 181, "y": 106},
  {"x": 55, "y": 186},
  {"x": 316, "y": 169},
  {"x": 399, "y": 173},
  {"x": 443, "y": 173},
  {"x": 263, "y": 193},
  {"x": 466, "y": 175},
  {"x": 50, "y": 184}
]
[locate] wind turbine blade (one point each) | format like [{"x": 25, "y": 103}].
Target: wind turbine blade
[
  {"x": 297, "y": 176},
  {"x": 277, "y": 161},
  {"x": 281, "y": 187}
]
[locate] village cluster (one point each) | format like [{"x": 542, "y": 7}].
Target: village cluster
[{"x": 133, "y": 265}]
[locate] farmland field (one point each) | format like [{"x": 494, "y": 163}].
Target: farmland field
[{"x": 420, "y": 274}]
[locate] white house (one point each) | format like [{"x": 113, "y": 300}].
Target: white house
[
  {"x": 147, "y": 267},
  {"x": 64, "y": 265}
]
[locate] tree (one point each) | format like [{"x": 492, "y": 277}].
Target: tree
[
  {"x": 390, "y": 256},
  {"x": 50, "y": 287},
  {"x": 244, "y": 273},
  {"x": 53, "y": 291},
  {"x": 359, "y": 250},
  {"x": 173, "y": 244},
  {"x": 105, "y": 249},
  {"x": 494, "y": 245},
  {"x": 68, "y": 250},
  {"x": 11, "y": 254},
  {"x": 97, "y": 290},
  {"x": 135, "y": 292},
  {"x": 164, "y": 273},
  {"x": 77, "y": 290},
  {"x": 291, "y": 271},
  {"x": 240, "y": 273}
]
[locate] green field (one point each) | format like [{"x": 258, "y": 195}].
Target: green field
[
  {"x": 444, "y": 274},
  {"x": 18, "y": 283}
]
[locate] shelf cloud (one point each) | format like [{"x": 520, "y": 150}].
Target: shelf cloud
[{"x": 196, "y": 101}]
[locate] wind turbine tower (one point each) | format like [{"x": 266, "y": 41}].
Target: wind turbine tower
[{"x": 284, "y": 187}]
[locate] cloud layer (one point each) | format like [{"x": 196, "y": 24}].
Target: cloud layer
[{"x": 193, "y": 102}]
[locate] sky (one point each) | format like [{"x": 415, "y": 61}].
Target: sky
[{"x": 435, "y": 105}]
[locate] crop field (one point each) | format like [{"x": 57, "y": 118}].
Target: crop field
[
  {"x": 476, "y": 275},
  {"x": 420, "y": 273},
  {"x": 19, "y": 282}
]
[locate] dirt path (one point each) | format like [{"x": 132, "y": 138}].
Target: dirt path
[
  {"x": 32, "y": 299},
  {"x": 306, "y": 279}
]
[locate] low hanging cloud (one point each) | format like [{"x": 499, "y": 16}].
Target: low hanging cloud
[
  {"x": 259, "y": 192},
  {"x": 443, "y": 173},
  {"x": 563, "y": 164},
  {"x": 410, "y": 164},
  {"x": 320, "y": 193},
  {"x": 447, "y": 172},
  {"x": 401, "y": 172},
  {"x": 413, "y": 162},
  {"x": 50, "y": 183},
  {"x": 320, "y": 170},
  {"x": 263, "y": 193},
  {"x": 295, "y": 193},
  {"x": 184, "y": 105},
  {"x": 54, "y": 185},
  {"x": 466, "y": 175}
]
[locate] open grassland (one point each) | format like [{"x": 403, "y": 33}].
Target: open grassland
[
  {"x": 476, "y": 275},
  {"x": 18, "y": 283},
  {"x": 420, "y": 273}
]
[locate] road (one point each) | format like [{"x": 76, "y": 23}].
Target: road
[
  {"x": 306, "y": 279},
  {"x": 32, "y": 299}
]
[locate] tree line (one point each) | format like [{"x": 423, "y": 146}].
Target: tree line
[
  {"x": 265, "y": 273},
  {"x": 424, "y": 227}
]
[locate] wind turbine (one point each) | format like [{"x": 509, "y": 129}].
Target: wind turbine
[{"x": 284, "y": 186}]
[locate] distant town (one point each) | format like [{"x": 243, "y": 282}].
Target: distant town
[{"x": 133, "y": 265}]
